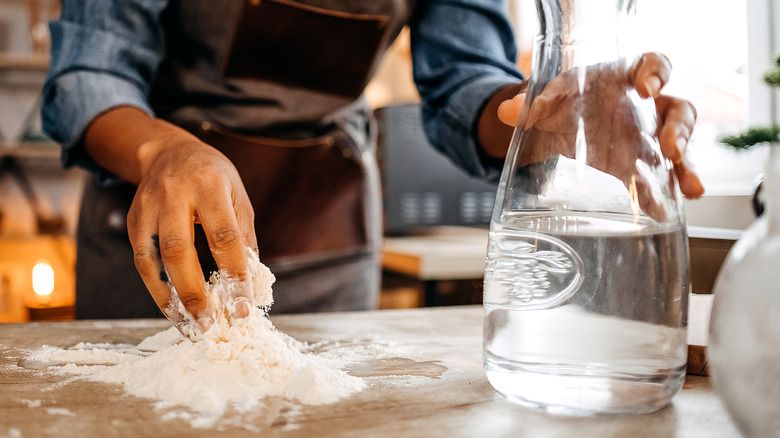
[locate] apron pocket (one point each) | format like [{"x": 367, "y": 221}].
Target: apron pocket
[
  {"x": 305, "y": 46},
  {"x": 307, "y": 194}
]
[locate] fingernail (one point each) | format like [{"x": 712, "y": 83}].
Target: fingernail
[
  {"x": 652, "y": 86},
  {"x": 205, "y": 323},
  {"x": 241, "y": 308},
  {"x": 242, "y": 301}
]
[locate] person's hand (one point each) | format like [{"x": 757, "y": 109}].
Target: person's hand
[
  {"x": 608, "y": 121},
  {"x": 181, "y": 181},
  {"x": 188, "y": 182}
]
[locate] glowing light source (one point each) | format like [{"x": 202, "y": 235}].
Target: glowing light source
[{"x": 43, "y": 279}]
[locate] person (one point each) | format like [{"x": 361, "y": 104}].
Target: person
[{"x": 212, "y": 129}]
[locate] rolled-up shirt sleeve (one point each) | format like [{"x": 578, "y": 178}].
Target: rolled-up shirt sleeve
[
  {"x": 463, "y": 51},
  {"x": 104, "y": 54}
]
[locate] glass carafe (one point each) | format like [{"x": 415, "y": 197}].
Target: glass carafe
[
  {"x": 587, "y": 277},
  {"x": 744, "y": 344}
]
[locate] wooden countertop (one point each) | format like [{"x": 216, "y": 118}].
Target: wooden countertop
[
  {"x": 441, "y": 253},
  {"x": 450, "y": 397}
]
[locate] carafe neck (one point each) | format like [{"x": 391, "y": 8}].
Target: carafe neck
[{"x": 576, "y": 33}]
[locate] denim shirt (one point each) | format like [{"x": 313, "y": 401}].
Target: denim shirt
[{"x": 107, "y": 53}]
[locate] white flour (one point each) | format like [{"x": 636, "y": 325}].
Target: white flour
[
  {"x": 60, "y": 411},
  {"x": 232, "y": 367}
]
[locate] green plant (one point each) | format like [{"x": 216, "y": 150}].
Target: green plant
[{"x": 758, "y": 135}]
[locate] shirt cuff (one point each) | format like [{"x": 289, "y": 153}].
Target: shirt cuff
[
  {"x": 457, "y": 134},
  {"x": 74, "y": 101}
]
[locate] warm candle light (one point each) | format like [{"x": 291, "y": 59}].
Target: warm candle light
[{"x": 43, "y": 279}]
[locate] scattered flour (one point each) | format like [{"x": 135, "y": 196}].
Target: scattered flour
[
  {"x": 31, "y": 403},
  {"x": 231, "y": 367},
  {"x": 60, "y": 411}
]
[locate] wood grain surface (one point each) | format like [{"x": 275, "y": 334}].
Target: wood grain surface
[{"x": 438, "y": 389}]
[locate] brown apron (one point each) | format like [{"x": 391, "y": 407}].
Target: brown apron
[{"x": 308, "y": 192}]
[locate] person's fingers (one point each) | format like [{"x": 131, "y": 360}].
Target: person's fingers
[
  {"x": 676, "y": 119},
  {"x": 690, "y": 184},
  {"x": 541, "y": 108},
  {"x": 509, "y": 111},
  {"x": 650, "y": 73},
  {"x": 245, "y": 215},
  {"x": 181, "y": 262},
  {"x": 142, "y": 232},
  {"x": 227, "y": 232},
  {"x": 642, "y": 193}
]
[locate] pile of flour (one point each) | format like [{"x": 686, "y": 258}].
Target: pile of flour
[{"x": 232, "y": 367}]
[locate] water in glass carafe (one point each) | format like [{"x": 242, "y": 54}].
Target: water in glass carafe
[{"x": 587, "y": 276}]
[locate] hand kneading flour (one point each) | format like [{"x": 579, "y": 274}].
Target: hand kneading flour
[{"x": 233, "y": 366}]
